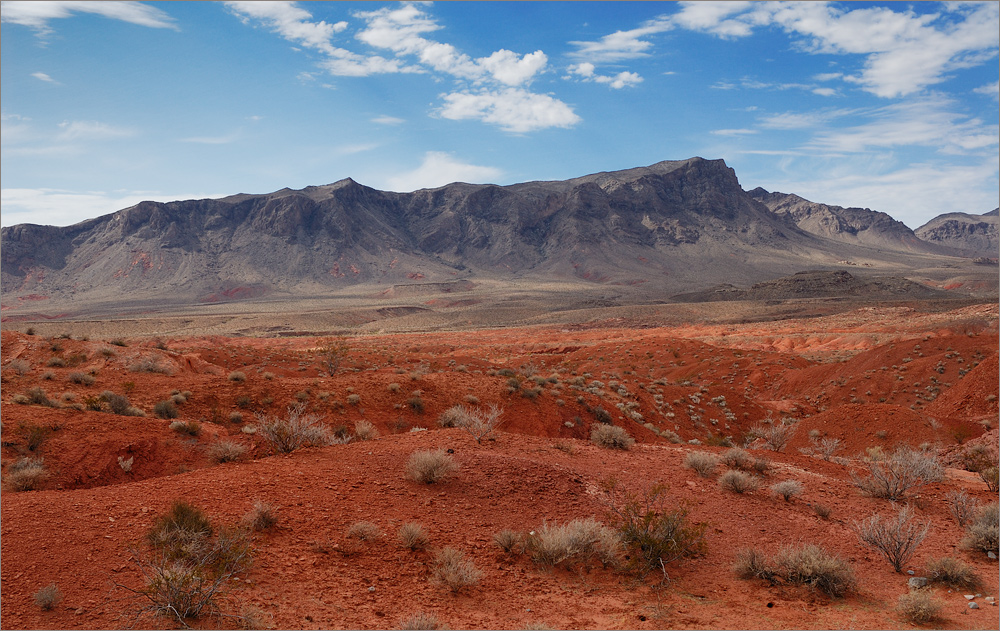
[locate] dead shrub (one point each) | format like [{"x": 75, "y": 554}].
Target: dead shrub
[
  {"x": 737, "y": 481},
  {"x": 953, "y": 572},
  {"x": 226, "y": 451},
  {"x": 611, "y": 437},
  {"x": 918, "y": 607},
  {"x": 363, "y": 531},
  {"x": 20, "y": 366},
  {"x": 150, "y": 365},
  {"x": 364, "y": 430},
  {"x": 452, "y": 417},
  {"x": 752, "y": 563},
  {"x": 454, "y": 571},
  {"x": 961, "y": 505},
  {"x": 786, "y": 489},
  {"x": 737, "y": 458},
  {"x": 295, "y": 430},
  {"x": 37, "y": 396},
  {"x": 982, "y": 532},
  {"x": 430, "y": 466},
  {"x": 811, "y": 565},
  {"x": 261, "y": 516},
  {"x": 775, "y": 436},
  {"x": 478, "y": 422},
  {"x": 237, "y": 376},
  {"x": 822, "y": 510},
  {"x": 702, "y": 462},
  {"x": 48, "y": 597},
  {"x": 419, "y": 621},
  {"x": 412, "y": 535},
  {"x": 509, "y": 541},
  {"x": 81, "y": 378},
  {"x": 895, "y": 537},
  {"x": 579, "y": 541},
  {"x": 119, "y": 404},
  {"x": 191, "y": 428},
  {"x": 991, "y": 476},
  {"x": 890, "y": 477},
  {"x": 26, "y": 474},
  {"x": 166, "y": 409}
]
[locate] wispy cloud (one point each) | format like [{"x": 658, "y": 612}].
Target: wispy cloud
[
  {"x": 621, "y": 45},
  {"x": 41, "y": 76},
  {"x": 388, "y": 120},
  {"x": 734, "y": 132},
  {"x": 214, "y": 140},
  {"x": 586, "y": 72},
  {"x": 439, "y": 168},
  {"x": 990, "y": 89},
  {"x": 64, "y": 207},
  {"x": 91, "y": 130},
  {"x": 37, "y": 15}
]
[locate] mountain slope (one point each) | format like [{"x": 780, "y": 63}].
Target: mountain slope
[
  {"x": 972, "y": 235},
  {"x": 672, "y": 226}
]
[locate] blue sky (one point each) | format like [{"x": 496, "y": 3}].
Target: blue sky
[{"x": 891, "y": 106}]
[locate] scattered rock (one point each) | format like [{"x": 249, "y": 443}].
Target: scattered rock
[
  {"x": 917, "y": 582},
  {"x": 910, "y": 572},
  {"x": 973, "y": 605},
  {"x": 991, "y": 554},
  {"x": 969, "y": 596}
]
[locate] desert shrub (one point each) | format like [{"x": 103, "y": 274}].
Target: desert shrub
[
  {"x": 991, "y": 476},
  {"x": 363, "y": 531},
  {"x": 918, "y": 607},
  {"x": 237, "y": 376},
  {"x": 737, "y": 481},
  {"x": 48, "y": 375},
  {"x": 891, "y": 476},
  {"x": 509, "y": 541},
  {"x": 982, "y": 532},
  {"x": 119, "y": 404},
  {"x": 48, "y": 597},
  {"x": 413, "y": 536},
  {"x": 654, "y": 535},
  {"x": 20, "y": 366},
  {"x": 26, "y": 474},
  {"x": 737, "y": 458},
  {"x": 531, "y": 393},
  {"x": 34, "y": 435},
  {"x": 394, "y": 387},
  {"x": 416, "y": 404},
  {"x": 953, "y": 572},
  {"x": 611, "y": 437},
  {"x": 580, "y": 540},
  {"x": 188, "y": 565},
  {"x": 261, "y": 516},
  {"x": 811, "y": 565},
  {"x": 430, "y": 467},
  {"x": 364, "y": 430},
  {"x": 602, "y": 416},
  {"x": 452, "y": 416},
  {"x": 293, "y": 431},
  {"x": 774, "y": 435},
  {"x": 752, "y": 563},
  {"x": 81, "y": 378},
  {"x": 478, "y": 422},
  {"x": 149, "y": 364},
  {"x": 702, "y": 462},
  {"x": 454, "y": 571},
  {"x": 226, "y": 451},
  {"x": 37, "y": 396},
  {"x": 118, "y": 342},
  {"x": 827, "y": 447},
  {"x": 166, "y": 409},
  {"x": 56, "y": 362},
  {"x": 962, "y": 506},
  {"x": 822, "y": 510},
  {"x": 191, "y": 428},
  {"x": 235, "y": 417},
  {"x": 419, "y": 621},
  {"x": 786, "y": 489},
  {"x": 895, "y": 537},
  {"x": 354, "y": 399},
  {"x": 244, "y": 402}
]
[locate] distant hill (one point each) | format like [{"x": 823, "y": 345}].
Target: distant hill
[
  {"x": 972, "y": 235},
  {"x": 670, "y": 227}
]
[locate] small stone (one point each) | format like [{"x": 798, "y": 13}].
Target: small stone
[
  {"x": 991, "y": 554},
  {"x": 372, "y": 588},
  {"x": 973, "y": 605},
  {"x": 910, "y": 572},
  {"x": 969, "y": 596},
  {"x": 917, "y": 582}
]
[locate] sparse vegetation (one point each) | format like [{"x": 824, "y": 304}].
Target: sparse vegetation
[
  {"x": 579, "y": 541},
  {"x": 962, "y": 506},
  {"x": 295, "y": 430},
  {"x": 26, "y": 474},
  {"x": 119, "y": 404},
  {"x": 363, "y": 531},
  {"x": 261, "y": 516},
  {"x": 419, "y": 621},
  {"x": 412, "y": 535},
  {"x": 226, "y": 450},
  {"x": 430, "y": 467},
  {"x": 611, "y": 437},
  {"x": 191, "y": 428},
  {"x": 983, "y": 532},
  {"x": 454, "y": 571},
  {"x": 786, "y": 489},
  {"x": 702, "y": 462},
  {"x": 775, "y": 435},
  {"x": 37, "y": 396},
  {"x": 919, "y": 607},
  {"x": 478, "y": 422},
  {"x": 895, "y": 537},
  {"x": 806, "y": 564},
  {"x": 150, "y": 365},
  {"x": 738, "y": 481},
  {"x": 364, "y": 430},
  {"x": 952, "y": 572},
  {"x": 81, "y": 378},
  {"x": 509, "y": 541},
  {"x": 237, "y": 376},
  {"x": 890, "y": 477},
  {"x": 166, "y": 409},
  {"x": 48, "y": 597}
]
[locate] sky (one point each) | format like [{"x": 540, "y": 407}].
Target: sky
[{"x": 891, "y": 106}]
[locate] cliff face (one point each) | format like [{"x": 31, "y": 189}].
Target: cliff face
[{"x": 675, "y": 225}]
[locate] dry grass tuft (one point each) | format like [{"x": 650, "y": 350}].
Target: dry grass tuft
[
  {"x": 454, "y": 571},
  {"x": 430, "y": 467},
  {"x": 412, "y": 535},
  {"x": 611, "y": 437}
]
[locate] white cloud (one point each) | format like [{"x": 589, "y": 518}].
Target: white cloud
[
  {"x": 585, "y": 72},
  {"x": 713, "y": 17},
  {"x": 38, "y": 14},
  {"x": 41, "y": 76},
  {"x": 388, "y": 120},
  {"x": 439, "y": 168},
  {"x": 825, "y": 91},
  {"x": 91, "y": 130},
  {"x": 802, "y": 120},
  {"x": 54, "y": 207},
  {"x": 513, "y": 109},
  {"x": 734, "y": 132},
  {"x": 621, "y": 45},
  {"x": 828, "y": 76},
  {"x": 509, "y": 69},
  {"x": 990, "y": 89}
]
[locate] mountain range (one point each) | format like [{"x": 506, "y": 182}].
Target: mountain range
[{"x": 670, "y": 227}]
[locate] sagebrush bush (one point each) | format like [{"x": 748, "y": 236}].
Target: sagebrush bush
[
  {"x": 430, "y": 466},
  {"x": 454, "y": 571},
  {"x": 452, "y": 416},
  {"x": 237, "y": 376},
  {"x": 478, "y": 422},
  {"x": 890, "y": 477},
  {"x": 365, "y": 430},
  {"x": 991, "y": 476},
  {"x": 81, "y": 378},
  {"x": 48, "y": 597},
  {"x": 420, "y": 621},
  {"x": 166, "y": 409},
  {"x": 953, "y": 572},
  {"x": 578, "y": 541},
  {"x": 37, "y": 396},
  {"x": 737, "y": 458},
  {"x": 26, "y": 474},
  {"x": 962, "y": 506},
  {"x": 191, "y": 428},
  {"x": 775, "y": 435},
  {"x": 226, "y": 450},
  {"x": 119, "y": 404},
  {"x": 811, "y": 565},
  {"x": 895, "y": 537},
  {"x": 654, "y": 534},
  {"x": 702, "y": 462},
  {"x": 363, "y": 531},
  {"x": 261, "y": 516},
  {"x": 918, "y": 607},
  {"x": 983, "y": 531},
  {"x": 151, "y": 365},
  {"x": 412, "y": 535},
  {"x": 786, "y": 489},
  {"x": 611, "y": 437},
  {"x": 752, "y": 563},
  {"x": 737, "y": 481},
  {"x": 295, "y": 430},
  {"x": 509, "y": 541}
]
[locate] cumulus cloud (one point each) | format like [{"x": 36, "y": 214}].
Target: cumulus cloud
[
  {"x": 585, "y": 72},
  {"x": 439, "y": 168},
  {"x": 37, "y": 15},
  {"x": 512, "y": 109}
]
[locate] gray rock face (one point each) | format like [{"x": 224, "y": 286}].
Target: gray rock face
[
  {"x": 916, "y": 582},
  {"x": 972, "y": 235}
]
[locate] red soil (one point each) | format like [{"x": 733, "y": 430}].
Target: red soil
[{"x": 826, "y": 372}]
